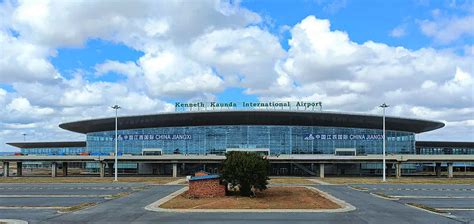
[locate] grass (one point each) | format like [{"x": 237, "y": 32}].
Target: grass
[
  {"x": 402, "y": 180},
  {"x": 431, "y": 209},
  {"x": 296, "y": 180},
  {"x": 78, "y": 207},
  {"x": 156, "y": 180},
  {"x": 272, "y": 198}
]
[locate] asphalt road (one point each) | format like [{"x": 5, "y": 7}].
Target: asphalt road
[
  {"x": 458, "y": 200},
  {"x": 130, "y": 209}
]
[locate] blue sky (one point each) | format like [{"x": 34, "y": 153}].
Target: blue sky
[
  {"x": 363, "y": 20},
  {"x": 416, "y": 55}
]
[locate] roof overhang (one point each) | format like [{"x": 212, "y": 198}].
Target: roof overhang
[
  {"x": 444, "y": 144},
  {"x": 294, "y": 118},
  {"x": 27, "y": 145}
]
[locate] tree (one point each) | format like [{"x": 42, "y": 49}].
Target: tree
[{"x": 246, "y": 170}]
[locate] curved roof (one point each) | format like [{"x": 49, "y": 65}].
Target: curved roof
[
  {"x": 442, "y": 144},
  {"x": 27, "y": 145},
  {"x": 296, "y": 118}
]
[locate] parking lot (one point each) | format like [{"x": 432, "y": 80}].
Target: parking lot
[
  {"x": 43, "y": 203},
  {"x": 60, "y": 196},
  {"x": 455, "y": 201}
]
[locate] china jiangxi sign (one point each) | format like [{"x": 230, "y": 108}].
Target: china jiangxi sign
[{"x": 278, "y": 105}]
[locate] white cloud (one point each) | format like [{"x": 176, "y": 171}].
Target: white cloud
[
  {"x": 194, "y": 51},
  {"x": 243, "y": 56},
  {"x": 22, "y": 61},
  {"x": 171, "y": 74},
  {"x": 446, "y": 30},
  {"x": 398, "y": 32},
  {"x": 326, "y": 65},
  {"x": 129, "y": 69},
  {"x": 55, "y": 23}
]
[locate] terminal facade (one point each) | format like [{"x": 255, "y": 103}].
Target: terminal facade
[{"x": 271, "y": 132}]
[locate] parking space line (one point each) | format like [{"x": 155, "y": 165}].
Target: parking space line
[
  {"x": 456, "y": 209},
  {"x": 32, "y": 207},
  {"x": 55, "y": 196},
  {"x": 431, "y": 197}
]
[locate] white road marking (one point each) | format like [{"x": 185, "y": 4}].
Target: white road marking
[{"x": 54, "y": 196}]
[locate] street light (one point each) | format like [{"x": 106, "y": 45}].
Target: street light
[
  {"x": 383, "y": 106},
  {"x": 24, "y": 137},
  {"x": 116, "y": 107}
]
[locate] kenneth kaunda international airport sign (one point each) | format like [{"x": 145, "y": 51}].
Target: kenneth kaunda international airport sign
[{"x": 288, "y": 105}]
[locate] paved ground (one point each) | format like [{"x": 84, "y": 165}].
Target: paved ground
[
  {"x": 130, "y": 209},
  {"x": 458, "y": 200}
]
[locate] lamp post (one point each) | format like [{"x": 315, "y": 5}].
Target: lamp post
[
  {"x": 116, "y": 107},
  {"x": 24, "y": 137},
  {"x": 383, "y": 106}
]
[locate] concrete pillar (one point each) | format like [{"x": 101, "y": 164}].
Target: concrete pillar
[
  {"x": 65, "y": 166},
  {"x": 438, "y": 169},
  {"x": 102, "y": 169},
  {"x": 450, "y": 170},
  {"x": 321, "y": 170},
  {"x": 54, "y": 169},
  {"x": 19, "y": 169},
  {"x": 175, "y": 170},
  {"x": 398, "y": 169},
  {"x": 6, "y": 169},
  {"x": 111, "y": 168}
]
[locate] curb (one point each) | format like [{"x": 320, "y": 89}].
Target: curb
[
  {"x": 320, "y": 182},
  {"x": 382, "y": 197},
  {"x": 447, "y": 215},
  {"x": 345, "y": 207},
  {"x": 13, "y": 221}
]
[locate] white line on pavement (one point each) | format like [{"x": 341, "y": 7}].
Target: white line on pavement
[
  {"x": 431, "y": 197},
  {"x": 54, "y": 196}
]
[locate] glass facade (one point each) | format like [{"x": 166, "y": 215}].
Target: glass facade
[
  {"x": 53, "y": 151},
  {"x": 279, "y": 139},
  {"x": 445, "y": 150}
]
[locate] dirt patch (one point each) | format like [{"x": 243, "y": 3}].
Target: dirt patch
[
  {"x": 272, "y": 198},
  {"x": 290, "y": 181}
]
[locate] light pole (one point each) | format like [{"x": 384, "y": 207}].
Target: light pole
[
  {"x": 116, "y": 107},
  {"x": 383, "y": 106},
  {"x": 24, "y": 137}
]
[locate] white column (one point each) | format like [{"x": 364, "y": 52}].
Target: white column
[
  {"x": 321, "y": 170},
  {"x": 54, "y": 169},
  {"x": 383, "y": 155},
  {"x": 175, "y": 170},
  {"x": 398, "y": 169},
  {"x": 6, "y": 169},
  {"x": 450, "y": 170},
  {"x": 116, "y": 144},
  {"x": 102, "y": 169}
]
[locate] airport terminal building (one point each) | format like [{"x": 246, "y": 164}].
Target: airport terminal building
[{"x": 275, "y": 130}]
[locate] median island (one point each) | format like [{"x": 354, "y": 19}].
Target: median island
[
  {"x": 242, "y": 186},
  {"x": 272, "y": 198}
]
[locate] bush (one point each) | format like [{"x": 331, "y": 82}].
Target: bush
[{"x": 246, "y": 170}]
